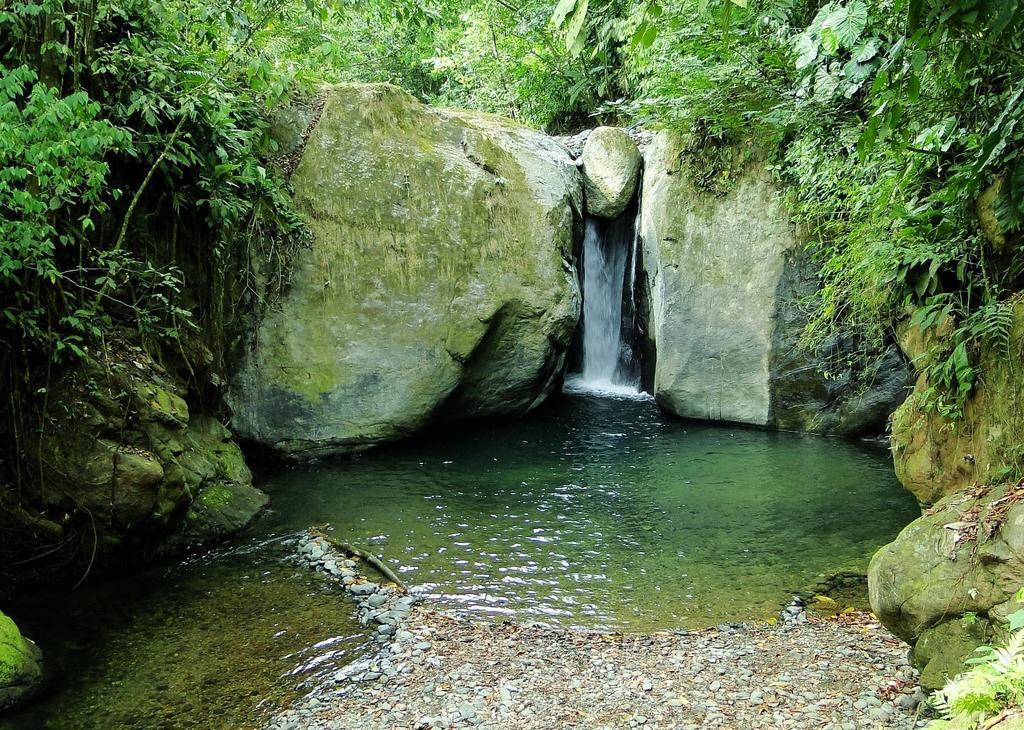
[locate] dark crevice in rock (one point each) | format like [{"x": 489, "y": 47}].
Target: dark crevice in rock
[{"x": 840, "y": 387}]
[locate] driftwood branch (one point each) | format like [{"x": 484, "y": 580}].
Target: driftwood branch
[{"x": 370, "y": 558}]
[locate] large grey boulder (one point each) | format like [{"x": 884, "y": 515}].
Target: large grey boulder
[
  {"x": 439, "y": 284},
  {"x": 726, "y": 275},
  {"x": 950, "y": 577},
  {"x": 21, "y": 665},
  {"x": 611, "y": 169},
  {"x": 713, "y": 265}
]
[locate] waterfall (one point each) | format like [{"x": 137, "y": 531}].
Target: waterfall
[
  {"x": 607, "y": 366},
  {"x": 604, "y": 268}
]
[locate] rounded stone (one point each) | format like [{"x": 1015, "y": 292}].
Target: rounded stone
[{"x": 611, "y": 168}]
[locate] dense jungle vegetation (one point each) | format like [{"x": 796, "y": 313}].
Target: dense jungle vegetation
[{"x": 135, "y": 154}]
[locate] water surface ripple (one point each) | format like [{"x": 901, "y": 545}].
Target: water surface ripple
[{"x": 607, "y": 513}]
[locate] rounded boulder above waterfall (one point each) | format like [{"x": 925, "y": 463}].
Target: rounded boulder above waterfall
[
  {"x": 439, "y": 284},
  {"x": 611, "y": 169}
]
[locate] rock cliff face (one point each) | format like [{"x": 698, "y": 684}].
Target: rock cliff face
[
  {"x": 440, "y": 282},
  {"x": 935, "y": 457},
  {"x": 725, "y": 276}
]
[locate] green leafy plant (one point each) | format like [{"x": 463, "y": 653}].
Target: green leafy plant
[{"x": 993, "y": 684}]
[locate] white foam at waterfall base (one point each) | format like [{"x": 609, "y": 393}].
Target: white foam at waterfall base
[{"x": 577, "y": 385}]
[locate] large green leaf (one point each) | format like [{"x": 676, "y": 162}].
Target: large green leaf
[
  {"x": 849, "y": 23},
  {"x": 562, "y": 10},
  {"x": 806, "y": 49},
  {"x": 644, "y": 36},
  {"x": 574, "y": 38},
  {"x": 829, "y": 40}
]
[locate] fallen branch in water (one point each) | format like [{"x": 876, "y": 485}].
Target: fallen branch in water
[{"x": 370, "y": 558}]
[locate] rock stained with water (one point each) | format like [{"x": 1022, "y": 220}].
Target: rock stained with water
[{"x": 440, "y": 282}]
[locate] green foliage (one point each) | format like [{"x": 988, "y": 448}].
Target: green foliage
[
  {"x": 994, "y": 683},
  {"x": 885, "y": 119},
  {"x": 950, "y": 371},
  {"x": 507, "y": 59},
  {"x": 136, "y": 129},
  {"x": 491, "y": 55},
  {"x": 53, "y": 152}
]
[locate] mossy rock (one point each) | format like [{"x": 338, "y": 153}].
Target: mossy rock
[
  {"x": 949, "y": 579},
  {"x": 221, "y": 509},
  {"x": 123, "y": 458},
  {"x": 985, "y": 208},
  {"x": 439, "y": 283},
  {"x": 157, "y": 403},
  {"x": 941, "y": 652},
  {"x": 21, "y": 665},
  {"x": 935, "y": 457}
]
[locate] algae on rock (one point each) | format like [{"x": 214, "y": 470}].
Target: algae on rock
[
  {"x": 951, "y": 574},
  {"x": 21, "y": 665},
  {"x": 935, "y": 457},
  {"x": 439, "y": 285}
]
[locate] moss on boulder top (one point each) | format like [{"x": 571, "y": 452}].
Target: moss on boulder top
[
  {"x": 439, "y": 285},
  {"x": 21, "y": 665},
  {"x": 951, "y": 576}
]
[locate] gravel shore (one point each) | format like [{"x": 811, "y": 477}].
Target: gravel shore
[
  {"x": 820, "y": 674},
  {"x": 436, "y": 670}
]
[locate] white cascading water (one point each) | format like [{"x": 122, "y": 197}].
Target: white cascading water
[
  {"x": 604, "y": 268},
  {"x": 606, "y": 250}
]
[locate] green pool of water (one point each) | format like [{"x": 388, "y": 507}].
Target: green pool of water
[
  {"x": 593, "y": 513},
  {"x": 219, "y": 641},
  {"x": 601, "y": 512}
]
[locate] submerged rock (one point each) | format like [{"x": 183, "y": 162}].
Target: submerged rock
[
  {"x": 439, "y": 285},
  {"x": 950, "y": 577},
  {"x": 611, "y": 169},
  {"x": 726, "y": 275},
  {"x": 21, "y": 665},
  {"x": 221, "y": 509}
]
